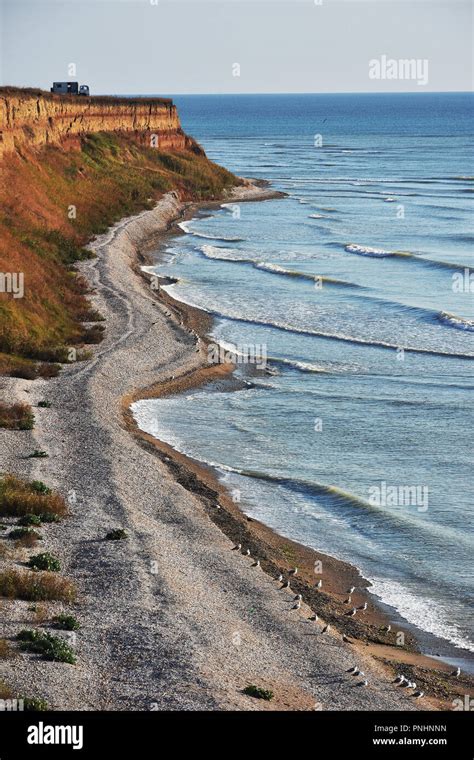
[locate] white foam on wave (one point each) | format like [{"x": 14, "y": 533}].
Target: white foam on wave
[
  {"x": 425, "y": 613},
  {"x": 364, "y": 250},
  {"x": 460, "y": 323},
  {"x": 222, "y": 254},
  {"x": 184, "y": 226}
]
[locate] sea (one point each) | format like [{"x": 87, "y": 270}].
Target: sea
[{"x": 349, "y": 304}]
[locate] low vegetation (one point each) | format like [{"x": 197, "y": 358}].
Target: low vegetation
[
  {"x": 66, "y": 622},
  {"x": 45, "y": 561},
  {"x": 35, "y": 586},
  {"x": 27, "y": 536},
  {"x": 51, "y": 647},
  {"x": 16, "y": 416},
  {"x": 19, "y": 498},
  {"x": 34, "y": 704},
  {"x": 38, "y": 454},
  {"x": 256, "y": 691},
  {"x": 116, "y": 535}
]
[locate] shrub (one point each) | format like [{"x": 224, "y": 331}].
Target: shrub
[
  {"x": 44, "y": 561},
  {"x": 256, "y": 691},
  {"x": 39, "y": 487},
  {"x": 34, "y": 704},
  {"x": 47, "y": 370},
  {"x": 66, "y": 622},
  {"x": 44, "y": 404},
  {"x": 116, "y": 535},
  {"x": 35, "y": 587},
  {"x": 38, "y": 454},
  {"x": 30, "y": 520},
  {"x": 19, "y": 498},
  {"x": 51, "y": 647},
  {"x": 21, "y": 533},
  {"x": 16, "y": 416}
]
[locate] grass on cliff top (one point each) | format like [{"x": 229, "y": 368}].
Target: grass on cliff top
[{"x": 52, "y": 202}]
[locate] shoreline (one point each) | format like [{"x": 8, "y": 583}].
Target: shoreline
[
  {"x": 272, "y": 549},
  {"x": 171, "y": 616}
]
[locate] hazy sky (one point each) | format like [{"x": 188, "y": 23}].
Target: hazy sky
[{"x": 191, "y": 46}]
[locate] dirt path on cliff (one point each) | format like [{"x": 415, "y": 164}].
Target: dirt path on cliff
[{"x": 171, "y": 617}]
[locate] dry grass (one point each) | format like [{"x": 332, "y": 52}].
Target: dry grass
[
  {"x": 5, "y": 691},
  {"x": 18, "y": 497},
  {"x": 6, "y": 650},
  {"x": 35, "y": 586},
  {"x": 16, "y": 416}
]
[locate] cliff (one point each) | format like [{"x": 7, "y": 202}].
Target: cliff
[
  {"x": 72, "y": 166},
  {"x": 33, "y": 118}
]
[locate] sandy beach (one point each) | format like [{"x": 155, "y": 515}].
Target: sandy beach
[{"x": 173, "y": 617}]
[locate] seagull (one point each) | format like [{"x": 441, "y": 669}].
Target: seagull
[
  {"x": 294, "y": 571},
  {"x": 399, "y": 679},
  {"x": 326, "y": 629},
  {"x": 298, "y": 598},
  {"x": 286, "y": 584},
  {"x": 352, "y": 612},
  {"x": 348, "y": 600},
  {"x": 418, "y": 694},
  {"x": 364, "y": 606},
  {"x": 456, "y": 673},
  {"x": 280, "y": 578},
  {"x": 319, "y": 584},
  {"x": 315, "y": 618},
  {"x": 257, "y": 564},
  {"x": 388, "y": 628},
  {"x": 248, "y": 552},
  {"x": 351, "y": 590},
  {"x": 237, "y": 548},
  {"x": 353, "y": 670},
  {"x": 297, "y": 605},
  {"x": 363, "y": 683},
  {"x": 346, "y": 640},
  {"x": 359, "y": 673}
]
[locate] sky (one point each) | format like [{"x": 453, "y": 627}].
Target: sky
[{"x": 237, "y": 46}]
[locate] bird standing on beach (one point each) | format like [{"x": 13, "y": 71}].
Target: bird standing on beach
[
  {"x": 319, "y": 584},
  {"x": 363, "y": 607},
  {"x": 248, "y": 552},
  {"x": 297, "y": 606},
  {"x": 314, "y": 618},
  {"x": 388, "y": 628},
  {"x": 363, "y": 683},
  {"x": 352, "y": 612},
  {"x": 280, "y": 578},
  {"x": 237, "y": 548},
  {"x": 456, "y": 673},
  {"x": 351, "y": 590},
  {"x": 418, "y": 694},
  {"x": 353, "y": 670},
  {"x": 348, "y": 600},
  {"x": 286, "y": 584},
  {"x": 298, "y": 598},
  {"x": 399, "y": 679},
  {"x": 326, "y": 628},
  {"x": 294, "y": 571},
  {"x": 257, "y": 564}
]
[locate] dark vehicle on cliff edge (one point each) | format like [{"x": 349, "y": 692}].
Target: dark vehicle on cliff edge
[{"x": 70, "y": 88}]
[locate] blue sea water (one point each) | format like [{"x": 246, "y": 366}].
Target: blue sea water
[{"x": 357, "y": 285}]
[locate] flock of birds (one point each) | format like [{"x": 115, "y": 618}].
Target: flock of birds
[{"x": 355, "y": 671}]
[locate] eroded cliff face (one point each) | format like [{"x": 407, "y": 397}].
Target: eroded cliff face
[{"x": 30, "y": 119}]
